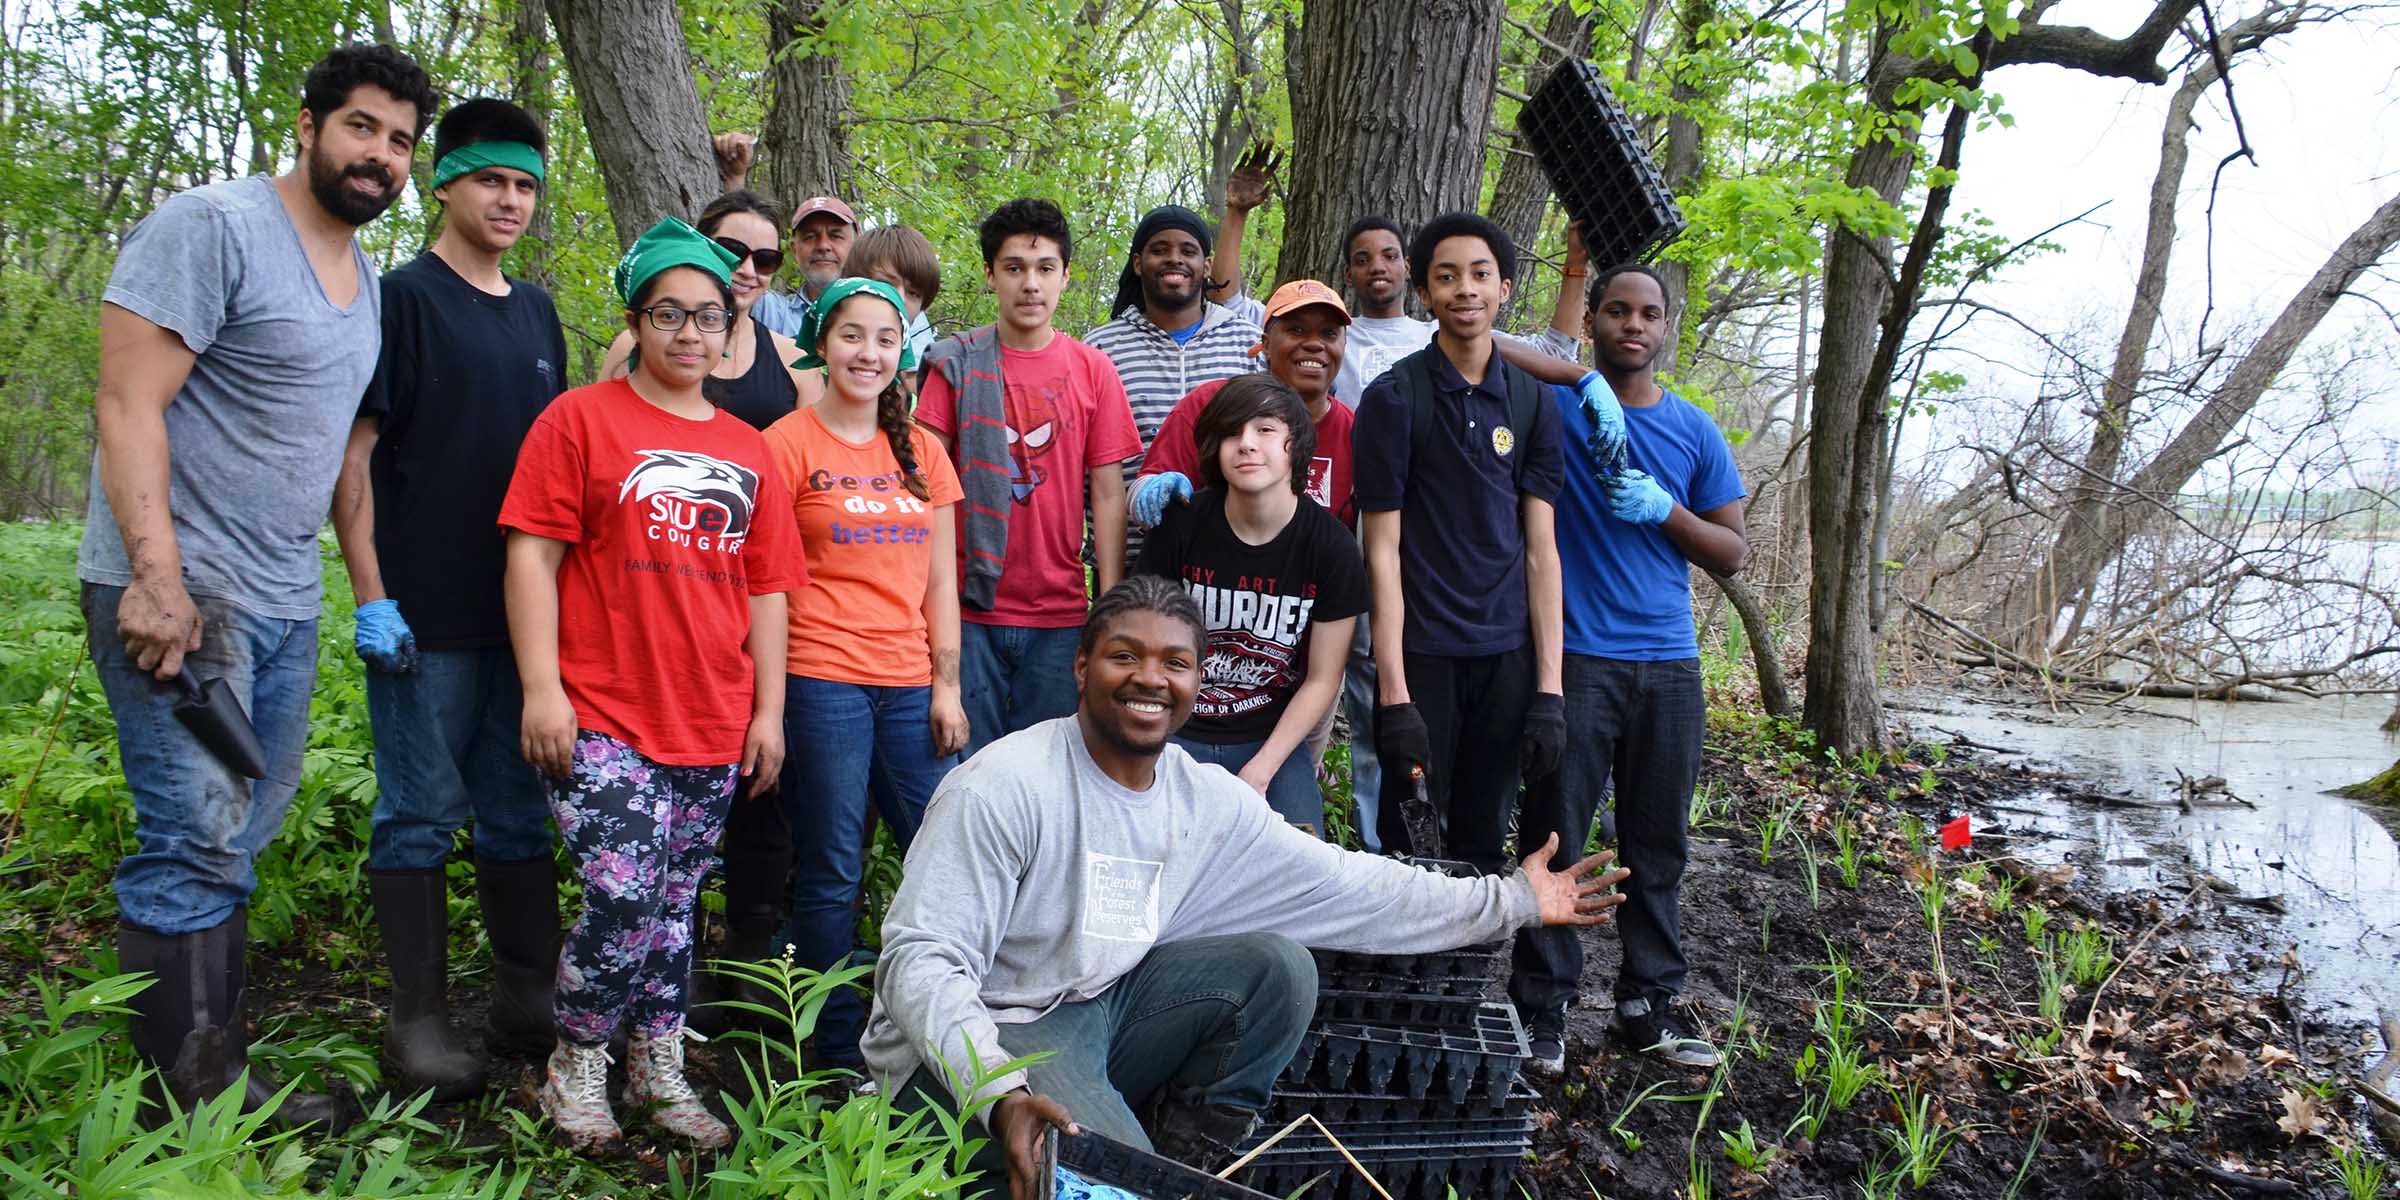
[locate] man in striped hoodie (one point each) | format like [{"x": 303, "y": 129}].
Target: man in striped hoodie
[{"x": 1164, "y": 336}]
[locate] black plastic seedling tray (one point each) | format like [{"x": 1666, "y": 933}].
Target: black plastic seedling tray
[
  {"x": 1344, "y": 1110},
  {"x": 1471, "y": 1065},
  {"x": 1399, "y": 1010},
  {"x": 1602, "y": 174},
  {"x": 1099, "y": 1160},
  {"x": 1491, "y": 1177},
  {"x": 1469, "y": 971}
]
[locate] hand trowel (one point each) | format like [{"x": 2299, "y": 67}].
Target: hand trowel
[{"x": 214, "y": 715}]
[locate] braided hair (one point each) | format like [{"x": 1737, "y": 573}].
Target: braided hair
[
  {"x": 1142, "y": 593},
  {"x": 895, "y": 413}
]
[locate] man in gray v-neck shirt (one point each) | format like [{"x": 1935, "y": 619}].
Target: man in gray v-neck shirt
[{"x": 239, "y": 326}]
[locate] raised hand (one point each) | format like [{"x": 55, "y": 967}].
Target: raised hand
[{"x": 1253, "y": 177}]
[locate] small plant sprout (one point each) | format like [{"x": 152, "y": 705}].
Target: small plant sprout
[
  {"x": 2089, "y": 953},
  {"x": 1921, "y": 1141},
  {"x": 1771, "y": 829},
  {"x": 2051, "y": 1000},
  {"x": 1808, "y": 869},
  {"x": 1846, "y": 852},
  {"x": 2003, "y": 893},
  {"x": 2174, "y": 1114},
  {"x": 1711, "y": 805},
  {"x": 2358, "y": 1171},
  {"x": 1744, "y": 1150},
  {"x": 2037, "y": 923}
]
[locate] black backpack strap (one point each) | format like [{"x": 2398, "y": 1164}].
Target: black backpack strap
[{"x": 1414, "y": 377}]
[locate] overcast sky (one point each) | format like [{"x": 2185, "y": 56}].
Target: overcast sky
[{"x": 2322, "y": 108}]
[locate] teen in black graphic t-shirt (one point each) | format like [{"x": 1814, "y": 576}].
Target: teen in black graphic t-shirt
[{"x": 1279, "y": 582}]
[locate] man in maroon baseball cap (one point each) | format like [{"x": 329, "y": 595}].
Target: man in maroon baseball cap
[{"x": 822, "y": 229}]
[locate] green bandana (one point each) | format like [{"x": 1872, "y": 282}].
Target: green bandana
[
  {"x": 670, "y": 243},
  {"x": 812, "y": 326},
  {"x": 513, "y": 155}
]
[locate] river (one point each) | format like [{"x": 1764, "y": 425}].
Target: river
[{"x": 2333, "y": 862}]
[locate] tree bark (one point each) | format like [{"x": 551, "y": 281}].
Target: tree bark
[
  {"x": 633, "y": 76},
  {"x": 529, "y": 88},
  {"x": 1522, "y": 193},
  {"x": 1390, "y": 116},
  {"x": 805, "y": 147}
]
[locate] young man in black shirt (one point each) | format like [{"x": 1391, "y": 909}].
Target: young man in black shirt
[
  {"x": 1279, "y": 583},
  {"x": 470, "y": 358},
  {"x": 1457, "y": 462}
]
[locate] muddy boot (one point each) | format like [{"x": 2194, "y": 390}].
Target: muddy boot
[
  {"x": 189, "y": 1023},
  {"x": 1202, "y": 1136},
  {"x": 574, "y": 1096},
  {"x": 654, "y": 1077},
  {"x": 520, "y": 916},
  {"x": 420, "y": 1052}
]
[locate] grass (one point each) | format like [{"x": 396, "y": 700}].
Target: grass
[
  {"x": 2358, "y": 1171},
  {"x": 1921, "y": 1141}
]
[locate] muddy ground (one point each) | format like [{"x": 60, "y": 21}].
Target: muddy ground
[{"x": 2167, "y": 1079}]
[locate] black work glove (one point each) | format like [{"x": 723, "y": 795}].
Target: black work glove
[
  {"x": 1401, "y": 739},
  {"x": 1545, "y": 735}
]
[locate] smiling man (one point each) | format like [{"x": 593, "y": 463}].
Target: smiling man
[
  {"x": 239, "y": 327},
  {"x": 470, "y": 358},
  {"x": 1165, "y": 337},
  {"x": 1085, "y": 888},
  {"x": 1459, "y": 463},
  {"x": 823, "y": 230}
]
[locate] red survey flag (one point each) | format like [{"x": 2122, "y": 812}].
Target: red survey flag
[{"x": 1957, "y": 835}]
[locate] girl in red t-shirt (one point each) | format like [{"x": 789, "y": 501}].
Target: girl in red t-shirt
[
  {"x": 650, "y": 544},
  {"x": 872, "y": 706}
]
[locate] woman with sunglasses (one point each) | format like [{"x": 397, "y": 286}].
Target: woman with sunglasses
[
  {"x": 650, "y": 550},
  {"x": 751, "y": 380}
]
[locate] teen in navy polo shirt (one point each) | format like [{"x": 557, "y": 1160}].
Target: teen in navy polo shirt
[
  {"x": 1455, "y": 463},
  {"x": 1632, "y": 669}
]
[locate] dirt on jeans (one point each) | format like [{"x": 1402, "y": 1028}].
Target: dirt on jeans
[{"x": 2164, "y": 1080}]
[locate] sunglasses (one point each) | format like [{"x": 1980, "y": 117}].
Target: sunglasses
[{"x": 767, "y": 258}]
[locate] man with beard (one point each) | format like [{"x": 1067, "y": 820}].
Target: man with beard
[
  {"x": 239, "y": 328},
  {"x": 1630, "y": 528},
  {"x": 1086, "y": 889},
  {"x": 1163, "y": 335},
  {"x": 470, "y": 358}
]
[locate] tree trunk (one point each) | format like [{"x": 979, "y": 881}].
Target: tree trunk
[
  {"x": 1232, "y": 122},
  {"x": 2029, "y": 608},
  {"x": 1390, "y": 117},
  {"x": 1522, "y": 193},
  {"x": 805, "y": 147},
  {"x": 529, "y": 88},
  {"x": 633, "y": 77},
  {"x": 2084, "y": 551},
  {"x": 1681, "y": 174},
  {"x": 1774, "y": 693}
]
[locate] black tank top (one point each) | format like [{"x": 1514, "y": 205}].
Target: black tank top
[{"x": 763, "y": 394}]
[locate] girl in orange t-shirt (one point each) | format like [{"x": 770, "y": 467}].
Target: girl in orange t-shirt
[{"x": 872, "y": 705}]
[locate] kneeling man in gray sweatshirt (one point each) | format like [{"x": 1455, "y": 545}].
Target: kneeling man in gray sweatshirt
[{"x": 1086, "y": 889}]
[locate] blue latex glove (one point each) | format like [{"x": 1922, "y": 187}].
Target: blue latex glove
[
  {"x": 1600, "y": 407},
  {"x": 1152, "y": 494},
  {"x": 1636, "y": 499},
  {"x": 384, "y": 639}
]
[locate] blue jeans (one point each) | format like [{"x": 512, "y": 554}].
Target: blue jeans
[
  {"x": 199, "y": 827},
  {"x": 446, "y": 749},
  {"x": 1292, "y": 793},
  {"x": 1366, "y": 771},
  {"x": 848, "y": 744},
  {"x": 1211, "y": 1021},
  {"x": 1012, "y": 677},
  {"x": 1640, "y": 725}
]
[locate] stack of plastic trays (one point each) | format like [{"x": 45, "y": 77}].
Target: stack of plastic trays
[
  {"x": 1600, "y": 171},
  {"x": 1414, "y": 1063}
]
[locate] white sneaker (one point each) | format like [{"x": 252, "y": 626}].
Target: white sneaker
[
  {"x": 575, "y": 1096},
  {"x": 654, "y": 1076}
]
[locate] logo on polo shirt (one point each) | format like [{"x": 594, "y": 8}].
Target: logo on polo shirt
[{"x": 1502, "y": 440}]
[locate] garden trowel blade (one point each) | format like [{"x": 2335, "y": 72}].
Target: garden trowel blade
[{"x": 214, "y": 715}]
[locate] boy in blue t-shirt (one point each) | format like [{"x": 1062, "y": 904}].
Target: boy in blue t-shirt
[{"x": 1627, "y": 537}]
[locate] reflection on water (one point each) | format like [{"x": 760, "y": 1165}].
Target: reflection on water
[{"x": 2334, "y": 864}]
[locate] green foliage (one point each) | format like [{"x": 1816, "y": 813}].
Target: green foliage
[{"x": 2358, "y": 1171}]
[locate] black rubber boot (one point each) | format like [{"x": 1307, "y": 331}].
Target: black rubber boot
[
  {"x": 190, "y": 1022},
  {"x": 420, "y": 1052},
  {"x": 520, "y": 916},
  {"x": 757, "y": 881}
]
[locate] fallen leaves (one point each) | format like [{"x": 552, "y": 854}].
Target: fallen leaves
[{"x": 2301, "y": 1117}]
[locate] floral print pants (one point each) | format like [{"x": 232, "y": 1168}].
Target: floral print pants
[{"x": 644, "y": 835}]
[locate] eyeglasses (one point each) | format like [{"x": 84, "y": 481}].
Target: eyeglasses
[
  {"x": 667, "y": 318},
  {"x": 768, "y": 258}
]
